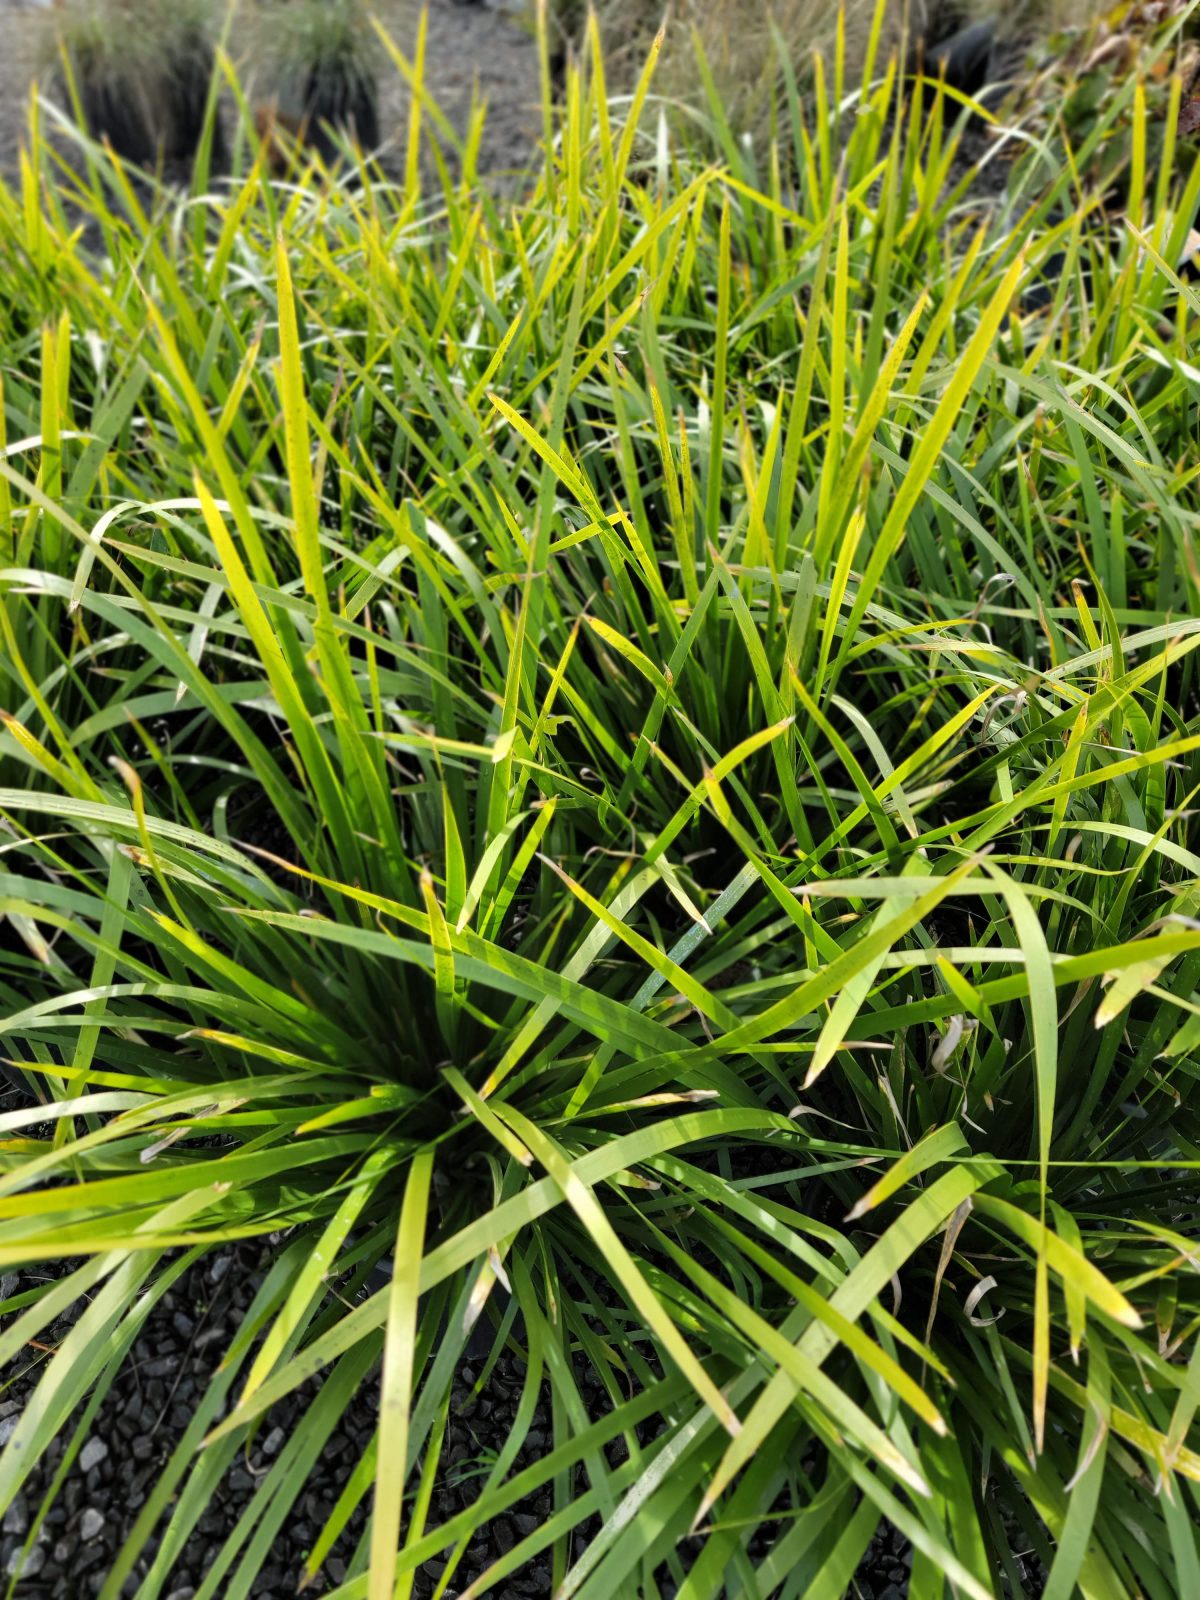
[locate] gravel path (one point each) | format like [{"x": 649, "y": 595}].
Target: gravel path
[{"x": 468, "y": 44}]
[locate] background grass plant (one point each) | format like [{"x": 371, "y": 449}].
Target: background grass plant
[
  {"x": 742, "y": 50},
  {"x": 324, "y": 58},
  {"x": 627, "y": 758},
  {"x": 136, "y": 75}
]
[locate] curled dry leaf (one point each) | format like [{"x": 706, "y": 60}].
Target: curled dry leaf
[
  {"x": 973, "y": 1299},
  {"x": 956, "y": 1030}
]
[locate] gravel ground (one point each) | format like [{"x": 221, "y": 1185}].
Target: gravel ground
[
  {"x": 469, "y": 45},
  {"x": 131, "y": 1438},
  {"x": 67, "y": 1553}
]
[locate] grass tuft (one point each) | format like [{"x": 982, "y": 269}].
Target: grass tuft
[{"x": 624, "y": 762}]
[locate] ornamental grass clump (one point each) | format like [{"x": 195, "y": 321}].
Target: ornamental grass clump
[
  {"x": 105, "y": 78},
  {"x": 138, "y": 74},
  {"x": 324, "y": 59},
  {"x": 615, "y": 772},
  {"x": 739, "y": 53}
]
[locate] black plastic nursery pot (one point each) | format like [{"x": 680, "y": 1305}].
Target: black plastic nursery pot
[
  {"x": 113, "y": 113},
  {"x": 339, "y": 103},
  {"x": 188, "y": 76}
]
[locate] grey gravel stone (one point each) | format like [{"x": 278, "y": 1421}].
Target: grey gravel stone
[
  {"x": 93, "y": 1453},
  {"x": 26, "y": 1566},
  {"x": 16, "y": 1518},
  {"x": 91, "y": 1524}
]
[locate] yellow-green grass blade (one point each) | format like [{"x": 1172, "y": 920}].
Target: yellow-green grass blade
[
  {"x": 396, "y": 1381},
  {"x": 580, "y": 1196},
  {"x": 852, "y": 1298}
]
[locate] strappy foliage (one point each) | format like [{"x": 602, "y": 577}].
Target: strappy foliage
[{"x": 619, "y": 767}]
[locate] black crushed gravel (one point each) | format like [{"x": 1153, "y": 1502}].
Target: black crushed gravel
[
  {"x": 886, "y": 1567},
  {"x": 150, "y": 1405},
  {"x": 152, "y": 1401},
  {"x": 138, "y": 1425}
]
